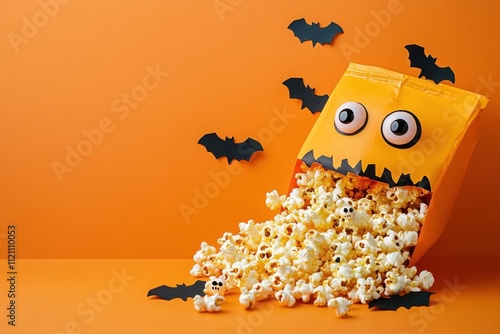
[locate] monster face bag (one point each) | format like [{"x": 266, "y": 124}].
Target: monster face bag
[
  {"x": 372, "y": 189},
  {"x": 399, "y": 130}
]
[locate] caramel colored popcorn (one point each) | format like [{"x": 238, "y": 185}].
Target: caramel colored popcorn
[{"x": 338, "y": 240}]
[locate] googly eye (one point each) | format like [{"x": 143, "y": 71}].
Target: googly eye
[
  {"x": 350, "y": 118},
  {"x": 401, "y": 129}
]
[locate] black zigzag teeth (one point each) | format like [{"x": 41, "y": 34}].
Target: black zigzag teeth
[{"x": 370, "y": 171}]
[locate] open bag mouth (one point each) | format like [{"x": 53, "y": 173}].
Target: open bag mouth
[{"x": 369, "y": 171}]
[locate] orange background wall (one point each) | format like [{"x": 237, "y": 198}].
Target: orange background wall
[{"x": 65, "y": 74}]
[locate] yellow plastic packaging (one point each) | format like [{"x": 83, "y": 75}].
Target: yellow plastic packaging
[{"x": 400, "y": 130}]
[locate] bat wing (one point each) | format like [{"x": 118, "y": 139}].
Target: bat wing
[
  {"x": 420, "y": 298},
  {"x": 214, "y": 144},
  {"x": 180, "y": 291},
  {"x": 301, "y": 30},
  {"x": 417, "y": 56},
  {"x": 246, "y": 149},
  {"x": 438, "y": 74},
  {"x": 327, "y": 34},
  {"x": 298, "y": 90}
]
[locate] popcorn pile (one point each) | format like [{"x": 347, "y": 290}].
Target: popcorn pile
[{"x": 338, "y": 240}]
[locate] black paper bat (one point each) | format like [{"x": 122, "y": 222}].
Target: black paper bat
[
  {"x": 305, "y": 32},
  {"x": 420, "y": 298},
  {"x": 180, "y": 291},
  {"x": 298, "y": 90},
  {"x": 228, "y": 148},
  {"x": 427, "y": 65}
]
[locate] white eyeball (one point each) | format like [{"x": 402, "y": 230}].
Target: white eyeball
[
  {"x": 401, "y": 129},
  {"x": 350, "y": 118}
]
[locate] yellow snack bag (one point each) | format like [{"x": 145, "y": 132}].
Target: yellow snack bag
[{"x": 399, "y": 130}]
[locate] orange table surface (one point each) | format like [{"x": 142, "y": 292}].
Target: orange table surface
[{"x": 109, "y": 296}]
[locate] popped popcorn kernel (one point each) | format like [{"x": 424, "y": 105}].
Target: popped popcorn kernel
[
  {"x": 322, "y": 294},
  {"x": 285, "y": 296},
  {"x": 425, "y": 280},
  {"x": 295, "y": 200},
  {"x": 338, "y": 240},
  {"x": 303, "y": 290},
  {"x": 366, "y": 290},
  {"x": 196, "y": 271},
  {"x": 208, "y": 303},
  {"x": 395, "y": 283},
  {"x": 210, "y": 269},
  {"x": 274, "y": 200},
  {"x": 205, "y": 251},
  {"x": 341, "y": 305},
  {"x": 262, "y": 290},
  {"x": 247, "y": 298}
]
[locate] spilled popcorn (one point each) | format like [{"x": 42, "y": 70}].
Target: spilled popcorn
[{"x": 338, "y": 240}]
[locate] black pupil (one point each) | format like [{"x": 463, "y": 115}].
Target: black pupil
[
  {"x": 214, "y": 283},
  {"x": 399, "y": 127},
  {"x": 337, "y": 259},
  {"x": 346, "y": 116},
  {"x": 220, "y": 283}
]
